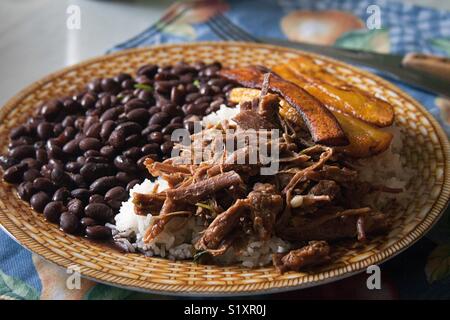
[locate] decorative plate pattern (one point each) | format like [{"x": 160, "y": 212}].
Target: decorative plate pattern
[{"x": 426, "y": 150}]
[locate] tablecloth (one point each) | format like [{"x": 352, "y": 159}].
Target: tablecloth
[{"x": 421, "y": 272}]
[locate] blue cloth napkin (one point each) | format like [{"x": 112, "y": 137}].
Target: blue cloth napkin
[{"x": 404, "y": 28}]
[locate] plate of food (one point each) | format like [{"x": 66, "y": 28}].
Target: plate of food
[{"x": 142, "y": 169}]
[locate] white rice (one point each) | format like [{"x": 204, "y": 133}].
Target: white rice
[
  {"x": 224, "y": 113},
  {"x": 176, "y": 241}
]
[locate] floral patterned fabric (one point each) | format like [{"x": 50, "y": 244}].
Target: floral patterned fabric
[{"x": 421, "y": 272}]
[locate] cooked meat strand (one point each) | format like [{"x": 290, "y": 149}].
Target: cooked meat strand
[
  {"x": 335, "y": 228},
  {"x": 326, "y": 187},
  {"x": 199, "y": 190},
  {"x": 145, "y": 203},
  {"x": 250, "y": 119},
  {"x": 315, "y": 253},
  {"x": 265, "y": 205},
  {"x": 333, "y": 173},
  {"x": 156, "y": 228},
  {"x": 221, "y": 226}
]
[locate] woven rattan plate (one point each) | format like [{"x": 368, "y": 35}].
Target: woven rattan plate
[{"x": 426, "y": 150}]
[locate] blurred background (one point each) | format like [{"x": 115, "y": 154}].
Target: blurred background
[{"x": 35, "y": 40}]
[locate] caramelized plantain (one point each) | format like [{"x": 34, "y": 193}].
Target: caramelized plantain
[
  {"x": 321, "y": 123},
  {"x": 334, "y": 93},
  {"x": 365, "y": 139}
]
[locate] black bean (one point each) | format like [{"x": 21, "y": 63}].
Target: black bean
[
  {"x": 171, "y": 127},
  {"x": 60, "y": 177},
  {"x": 202, "y": 100},
  {"x": 41, "y": 155},
  {"x": 96, "y": 198},
  {"x": 116, "y": 193},
  {"x": 45, "y": 130},
  {"x": 90, "y": 144},
  {"x": 54, "y": 151},
  {"x": 99, "y": 159},
  {"x": 191, "y": 97},
  {"x": 76, "y": 207},
  {"x": 110, "y": 114},
  {"x": 154, "y": 110},
  {"x": 92, "y": 171},
  {"x": 98, "y": 232},
  {"x": 132, "y": 153},
  {"x": 166, "y": 147},
  {"x": 25, "y": 190},
  {"x": 156, "y": 137},
  {"x": 108, "y": 152},
  {"x": 151, "y": 128},
  {"x": 53, "y": 210},
  {"x": 62, "y": 194},
  {"x": 132, "y": 140},
  {"x": 7, "y": 161},
  {"x": 43, "y": 184},
  {"x": 160, "y": 118},
  {"x": 94, "y": 86},
  {"x": 103, "y": 184},
  {"x": 117, "y": 139},
  {"x": 148, "y": 70},
  {"x": 18, "y": 132},
  {"x": 21, "y": 152},
  {"x": 20, "y": 142},
  {"x": 69, "y": 133},
  {"x": 87, "y": 221},
  {"x": 94, "y": 130},
  {"x": 99, "y": 212},
  {"x": 124, "y": 164},
  {"x": 31, "y": 174},
  {"x": 88, "y": 101},
  {"x": 39, "y": 200},
  {"x": 110, "y": 85},
  {"x": 139, "y": 115},
  {"x": 177, "y": 94},
  {"x": 73, "y": 167},
  {"x": 107, "y": 127},
  {"x": 124, "y": 177},
  {"x": 131, "y": 184},
  {"x": 31, "y": 163},
  {"x": 150, "y": 148},
  {"x": 51, "y": 109},
  {"x": 71, "y": 106},
  {"x": 177, "y": 119},
  {"x": 122, "y": 131},
  {"x": 78, "y": 180},
  {"x": 135, "y": 104},
  {"x": 92, "y": 153},
  {"x": 69, "y": 223},
  {"x": 81, "y": 194}
]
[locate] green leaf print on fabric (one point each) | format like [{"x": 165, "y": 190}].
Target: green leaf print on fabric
[
  {"x": 369, "y": 40},
  {"x": 14, "y": 288},
  {"x": 443, "y": 44},
  {"x": 438, "y": 264}
]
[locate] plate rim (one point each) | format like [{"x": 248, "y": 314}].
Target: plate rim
[{"x": 437, "y": 208}]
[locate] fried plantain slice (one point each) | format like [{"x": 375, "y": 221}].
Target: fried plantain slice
[
  {"x": 321, "y": 123},
  {"x": 335, "y": 93}
]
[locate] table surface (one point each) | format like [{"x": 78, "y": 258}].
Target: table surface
[{"x": 35, "y": 41}]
